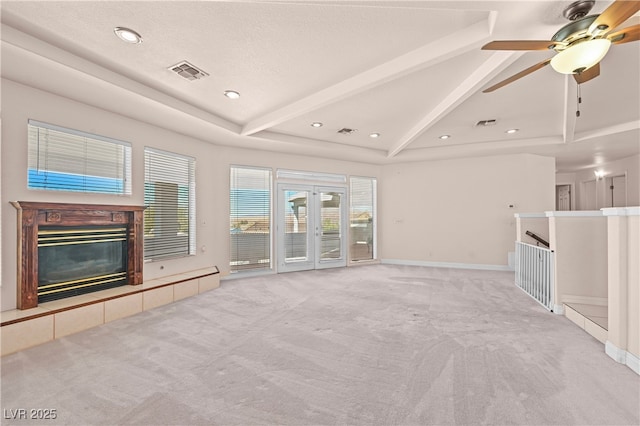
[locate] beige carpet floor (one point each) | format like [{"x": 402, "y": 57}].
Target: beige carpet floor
[{"x": 368, "y": 345}]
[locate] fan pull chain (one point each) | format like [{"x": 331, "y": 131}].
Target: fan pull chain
[{"x": 579, "y": 101}]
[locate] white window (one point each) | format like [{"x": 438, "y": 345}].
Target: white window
[
  {"x": 62, "y": 159},
  {"x": 169, "y": 197},
  {"x": 363, "y": 218},
  {"x": 250, "y": 219}
]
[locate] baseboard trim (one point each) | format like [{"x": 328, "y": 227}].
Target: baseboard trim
[
  {"x": 248, "y": 274},
  {"x": 447, "y": 265},
  {"x": 558, "y": 309},
  {"x": 633, "y": 362},
  {"x": 623, "y": 357}
]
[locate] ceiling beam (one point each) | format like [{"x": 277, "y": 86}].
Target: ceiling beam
[
  {"x": 480, "y": 76},
  {"x": 430, "y": 54},
  {"x": 477, "y": 149},
  {"x": 321, "y": 148},
  {"x": 608, "y": 131}
]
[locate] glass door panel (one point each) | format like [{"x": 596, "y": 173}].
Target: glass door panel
[
  {"x": 331, "y": 226},
  {"x": 296, "y": 215},
  {"x": 295, "y": 228}
]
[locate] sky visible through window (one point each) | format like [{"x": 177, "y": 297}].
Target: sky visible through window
[{"x": 74, "y": 182}]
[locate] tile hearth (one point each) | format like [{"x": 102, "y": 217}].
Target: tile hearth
[{"x": 21, "y": 329}]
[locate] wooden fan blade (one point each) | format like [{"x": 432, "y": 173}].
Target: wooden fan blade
[
  {"x": 515, "y": 77},
  {"x": 625, "y": 35},
  {"x": 519, "y": 45},
  {"x": 587, "y": 74},
  {"x": 614, "y": 15}
]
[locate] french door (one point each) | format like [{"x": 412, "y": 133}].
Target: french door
[{"x": 311, "y": 227}]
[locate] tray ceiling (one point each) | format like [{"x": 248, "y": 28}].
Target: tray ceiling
[{"x": 408, "y": 70}]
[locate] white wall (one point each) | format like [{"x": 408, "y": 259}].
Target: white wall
[
  {"x": 457, "y": 211},
  {"x": 579, "y": 240},
  {"x": 623, "y": 339},
  {"x": 21, "y": 103},
  {"x": 538, "y": 223},
  {"x": 629, "y": 166}
]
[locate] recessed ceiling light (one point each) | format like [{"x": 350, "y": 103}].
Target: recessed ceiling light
[
  {"x": 128, "y": 35},
  {"x": 510, "y": 131},
  {"x": 231, "y": 94},
  {"x": 316, "y": 124},
  {"x": 374, "y": 135},
  {"x": 444, "y": 136}
]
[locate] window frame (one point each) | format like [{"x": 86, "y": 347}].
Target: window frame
[
  {"x": 191, "y": 206},
  {"x": 234, "y": 215},
  {"x": 374, "y": 218},
  {"x": 77, "y": 177}
]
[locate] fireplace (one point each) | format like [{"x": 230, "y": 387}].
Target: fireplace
[
  {"x": 70, "y": 249},
  {"x": 76, "y": 260}
]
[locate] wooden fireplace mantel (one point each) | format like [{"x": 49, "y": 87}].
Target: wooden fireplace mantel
[{"x": 31, "y": 215}]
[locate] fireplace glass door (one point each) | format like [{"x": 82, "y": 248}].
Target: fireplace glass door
[{"x": 73, "y": 261}]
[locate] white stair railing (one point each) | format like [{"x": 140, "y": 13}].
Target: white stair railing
[{"x": 535, "y": 272}]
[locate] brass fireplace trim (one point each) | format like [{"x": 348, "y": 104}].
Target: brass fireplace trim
[
  {"x": 61, "y": 237},
  {"x": 68, "y": 243},
  {"x": 94, "y": 281}
]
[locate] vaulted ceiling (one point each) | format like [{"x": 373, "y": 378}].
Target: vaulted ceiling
[{"x": 410, "y": 71}]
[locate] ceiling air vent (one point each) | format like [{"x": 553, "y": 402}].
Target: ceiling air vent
[
  {"x": 346, "y": 131},
  {"x": 188, "y": 71},
  {"x": 484, "y": 123}
]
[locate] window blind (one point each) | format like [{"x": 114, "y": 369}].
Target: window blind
[
  {"x": 362, "y": 218},
  {"x": 250, "y": 219},
  {"x": 169, "y": 197},
  {"x": 62, "y": 159}
]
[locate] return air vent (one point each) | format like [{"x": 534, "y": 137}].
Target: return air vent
[
  {"x": 484, "y": 123},
  {"x": 188, "y": 71},
  {"x": 346, "y": 131}
]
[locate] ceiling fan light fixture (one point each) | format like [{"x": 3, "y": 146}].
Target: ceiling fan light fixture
[
  {"x": 578, "y": 9},
  {"x": 580, "y": 56}
]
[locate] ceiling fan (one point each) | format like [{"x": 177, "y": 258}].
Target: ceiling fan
[{"x": 581, "y": 44}]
